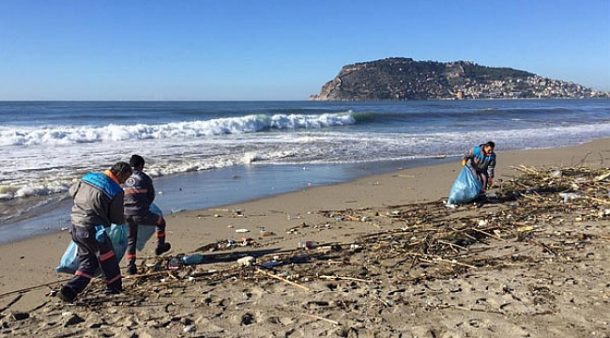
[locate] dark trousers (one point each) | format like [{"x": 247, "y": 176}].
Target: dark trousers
[
  {"x": 150, "y": 219},
  {"x": 94, "y": 254},
  {"x": 483, "y": 177}
]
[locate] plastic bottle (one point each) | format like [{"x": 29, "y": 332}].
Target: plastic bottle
[
  {"x": 174, "y": 264},
  {"x": 192, "y": 259}
]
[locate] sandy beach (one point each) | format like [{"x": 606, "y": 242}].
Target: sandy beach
[{"x": 540, "y": 291}]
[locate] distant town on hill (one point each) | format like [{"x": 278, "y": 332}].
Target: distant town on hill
[{"x": 407, "y": 79}]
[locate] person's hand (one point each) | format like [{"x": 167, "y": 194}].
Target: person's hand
[
  {"x": 490, "y": 182},
  {"x": 463, "y": 162}
]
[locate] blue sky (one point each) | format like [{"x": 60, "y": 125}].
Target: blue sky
[{"x": 279, "y": 49}]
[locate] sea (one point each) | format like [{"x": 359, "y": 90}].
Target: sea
[{"x": 212, "y": 153}]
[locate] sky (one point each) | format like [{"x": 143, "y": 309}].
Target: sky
[{"x": 280, "y": 49}]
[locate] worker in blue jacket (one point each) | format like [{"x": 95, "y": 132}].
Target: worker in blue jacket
[
  {"x": 98, "y": 202},
  {"x": 483, "y": 161}
]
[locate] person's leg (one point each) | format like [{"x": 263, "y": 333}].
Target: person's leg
[
  {"x": 110, "y": 266},
  {"x": 483, "y": 179},
  {"x": 88, "y": 264},
  {"x": 132, "y": 240},
  {"x": 159, "y": 223},
  {"x": 162, "y": 245}
]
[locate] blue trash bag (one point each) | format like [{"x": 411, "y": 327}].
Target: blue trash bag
[
  {"x": 118, "y": 236},
  {"x": 465, "y": 188},
  {"x": 145, "y": 232}
]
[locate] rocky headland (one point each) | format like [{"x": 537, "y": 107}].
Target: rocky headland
[{"x": 407, "y": 79}]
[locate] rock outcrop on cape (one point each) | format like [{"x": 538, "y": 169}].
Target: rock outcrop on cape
[{"x": 407, "y": 79}]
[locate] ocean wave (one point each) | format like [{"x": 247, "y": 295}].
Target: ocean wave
[
  {"x": 30, "y": 172},
  {"x": 63, "y": 135}
]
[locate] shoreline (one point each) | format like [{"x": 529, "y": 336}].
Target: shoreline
[
  {"x": 56, "y": 217},
  {"x": 172, "y": 200},
  {"x": 444, "y": 161},
  {"x": 32, "y": 261}
]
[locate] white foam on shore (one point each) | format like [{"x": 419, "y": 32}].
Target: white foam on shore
[
  {"x": 42, "y": 169},
  {"x": 64, "y": 135}
]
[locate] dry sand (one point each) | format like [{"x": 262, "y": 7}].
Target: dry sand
[{"x": 555, "y": 294}]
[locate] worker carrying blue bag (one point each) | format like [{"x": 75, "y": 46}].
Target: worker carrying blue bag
[
  {"x": 476, "y": 176},
  {"x": 98, "y": 202}
]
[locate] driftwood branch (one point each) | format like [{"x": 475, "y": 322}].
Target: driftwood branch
[{"x": 282, "y": 279}]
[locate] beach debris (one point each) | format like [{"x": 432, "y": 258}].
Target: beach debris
[
  {"x": 270, "y": 264},
  {"x": 602, "y": 176},
  {"x": 426, "y": 257},
  {"x": 246, "y": 261},
  {"x": 307, "y": 245},
  {"x": 556, "y": 173},
  {"x": 174, "y": 264},
  {"x": 189, "y": 328},
  {"x": 355, "y": 247},
  {"x": 18, "y": 315},
  {"x": 569, "y": 196},
  {"x": 266, "y": 273},
  {"x": 72, "y": 319},
  {"x": 267, "y": 233},
  {"x": 241, "y": 231},
  {"x": 192, "y": 259},
  {"x": 246, "y": 241}
]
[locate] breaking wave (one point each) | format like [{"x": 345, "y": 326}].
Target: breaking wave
[{"x": 61, "y": 135}]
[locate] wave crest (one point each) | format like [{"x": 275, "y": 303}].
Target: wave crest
[{"x": 192, "y": 129}]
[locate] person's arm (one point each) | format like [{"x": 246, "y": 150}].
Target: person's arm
[
  {"x": 468, "y": 156},
  {"x": 491, "y": 171},
  {"x": 74, "y": 189},
  {"x": 115, "y": 214},
  {"x": 150, "y": 194}
]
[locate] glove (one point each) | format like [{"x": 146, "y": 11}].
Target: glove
[{"x": 100, "y": 234}]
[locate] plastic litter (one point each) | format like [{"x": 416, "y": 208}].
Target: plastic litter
[
  {"x": 465, "y": 188},
  {"x": 308, "y": 245},
  {"x": 246, "y": 261},
  {"x": 568, "y": 196},
  {"x": 174, "y": 264},
  {"x": 270, "y": 264},
  {"x": 193, "y": 259}
]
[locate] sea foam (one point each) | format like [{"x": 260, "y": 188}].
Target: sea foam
[{"x": 64, "y": 135}]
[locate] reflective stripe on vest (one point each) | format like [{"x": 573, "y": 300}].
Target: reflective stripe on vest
[{"x": 102, "y": 182}]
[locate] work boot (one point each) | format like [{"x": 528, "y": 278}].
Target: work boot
[
  {"x": 132, "y": 269},
  {"x": 113, "y": 290},
  {"x": 67, "y": 294},
  {"x": 162, "y": 248}
]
